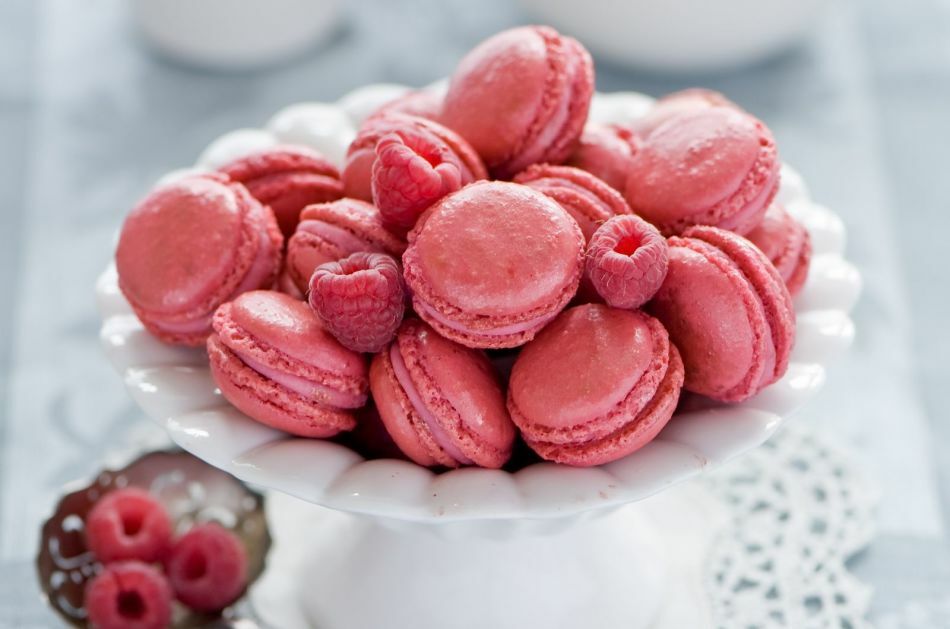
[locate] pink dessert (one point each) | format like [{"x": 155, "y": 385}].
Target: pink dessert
[
  {"x": 287, "y": 178},
  {"x": 128, "y": 524},
  {"x": 708, "y": 166},
  {"x": 605, "y": 151},
  {"x": 677, "y": 102},
  {"x": 728, "y": 311},
  {"x": 521, "y": 97},
  {"x": 440, "y": 144},
  {"x": 207, "y": 568},
  {"x": 493, "y": 263},
  {"x": 786, "y": 243},
  {"x": 274, "y": 361},
  {"x": 360, "y": 300},
  {"x": 128, "y": 595},
  {"x": 331, "y": 231},
  {"x": 441, "y": 402},
  {"x": 190, "y": 246},
  {"x": 425, "y": 103},
  {"x": 589, "y": 200},
  {"x": 597, "y": 384},
  {"x": 626, "y": 261}
]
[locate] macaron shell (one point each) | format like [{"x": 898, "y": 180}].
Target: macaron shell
[
  {"x": 605, "y": 152},
  {"x": 768, "y": 285},
  {"x": 631, "y": 436},
  {"x": 589, "y": 200},
  {"x": 269, "y": 403},
  {"x": 522, "y": 255},
  {"x": 677, "y": 102},
  {"x": 283, "y": 333},
  {"x": 706, "y": 166},
  {"x": 786, "y": 243},
  {"x": 460, "y": 388}
]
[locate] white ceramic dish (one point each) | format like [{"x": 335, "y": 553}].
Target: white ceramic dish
[{"x": 407, "y": 504}]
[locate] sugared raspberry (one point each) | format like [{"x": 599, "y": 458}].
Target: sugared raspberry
[
  {"x": 413, "y": 170},
  {"x": 360, "y": 299},
  {"x": 208, "y": 568},
  {"x": 627, "y": 259},
  {"x": 128, "y": 524},
  {"x": 128, "y": 595}
]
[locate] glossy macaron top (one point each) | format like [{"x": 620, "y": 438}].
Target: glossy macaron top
[
  {"x": 287, "y": 178},
  {"x": 589, "y": 200},
  {"x": 521, "y": 97},
  {"x": 357, "y": 173},
  {"x": 491, "y": 255},
  {"x": 704, "y": 166},
  {"x": 278, "y": 330},
  {"x": 728, "y": 311},
  {"x": 191, "y": 245},
  {"x": 440, "y": 401},
  {"x": 597, "y": 383}
]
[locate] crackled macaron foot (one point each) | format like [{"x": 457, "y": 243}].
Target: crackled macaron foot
[
  {"x": 521, "y": 97},
  {"x": 728, "y": 311},
  {"x": 595, "y": 385},
  {"x": 429, "y": 139},
  {"x": 441, "y": 402},
  {"x": 287, "y": 178},
  {"x": 709, "y": 166},
  {"x": 332, "y": 231},
  {"x": 605, "y": 151},
  {"x": 273, "y": 360},
  {"x": 190, "y": 246},
  {"x": 786, "y": 243},
  {"x": 491, "y": 264},
  {"x": 589, "y": 200}
]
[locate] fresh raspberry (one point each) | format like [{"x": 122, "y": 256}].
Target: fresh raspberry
[
  {"x": 413, "y": 170},
  {"x": 128, "y": 595},
  {"x": 627, "y": 259},
  {"x": 360, "y": 299},
  {"x": 128, "y": 524},
  {"x": 208, "y": 568}
]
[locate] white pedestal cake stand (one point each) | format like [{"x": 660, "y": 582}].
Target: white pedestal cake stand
[{"x": 385, "y": 543}]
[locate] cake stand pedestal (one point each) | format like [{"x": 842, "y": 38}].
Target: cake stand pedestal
[{"x": 635, "y": 567}]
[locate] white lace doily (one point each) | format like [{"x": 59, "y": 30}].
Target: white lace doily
[{"x": 798, "y": 511}]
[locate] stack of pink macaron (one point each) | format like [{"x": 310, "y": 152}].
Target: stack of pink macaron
[{"x": 486, "y": 268}]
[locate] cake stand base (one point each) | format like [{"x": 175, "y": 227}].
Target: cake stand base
[{"x": 638, "y": 567}]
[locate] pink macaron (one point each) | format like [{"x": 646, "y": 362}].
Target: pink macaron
[
  {"x": 273, "y": 360},
  {"x": 678, "y": 102},
  {"x": 704, "y": 166},
  {"x": 491, "y": 264},
  {"x": 425, "y": 103},
  {"x": 190, "y": 246},
  {"x": 331, "y": 231},
  {"x": 605, "y": 151},
  {"x": 521, "y": 97},
  {"x": 595, "y": 385},
  {"x": 786, "y": 243},
  {"x": 589, "y": 200},
  {"x": 287, "y": 178},
  {"x": 728, "y": 311},
  {"x": 441, "y": 402},
  {"x": 361, "y": 154}
]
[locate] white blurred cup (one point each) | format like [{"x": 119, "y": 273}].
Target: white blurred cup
[
  {"x": 235, "y": 34},
  {"x": 681, "y": 35}
]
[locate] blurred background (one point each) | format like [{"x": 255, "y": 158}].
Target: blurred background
[{"x": 856, "y": 91}]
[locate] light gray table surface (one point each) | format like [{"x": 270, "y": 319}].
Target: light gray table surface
[{"x": 89, "y": 119}]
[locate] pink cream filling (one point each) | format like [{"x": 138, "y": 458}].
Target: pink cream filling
[
  {"x": 255, "y": 276},
  {"x": 438, "y": 433},
  {"x": 307, "y": 388},
  {"x": 505, "y": 330},
  {"x": 338, "y": 236}
]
